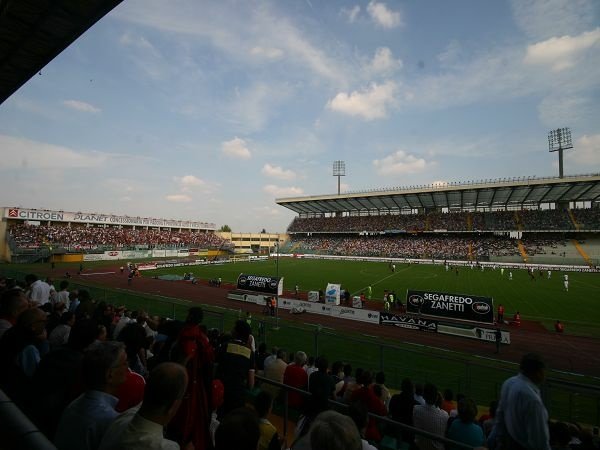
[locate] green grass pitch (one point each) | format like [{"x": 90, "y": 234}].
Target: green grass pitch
[{"x": 543, "y": 300}]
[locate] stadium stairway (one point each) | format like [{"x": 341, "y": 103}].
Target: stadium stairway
[
  {"x": 469, "y": 222},
  {"x": 581, "y": 251},
  {"x": 519, "y": 223},
  {"x": 573, "y": 220},
  {"x": 522, "y": 251}
]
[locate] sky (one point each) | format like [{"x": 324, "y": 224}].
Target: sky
[{"x": 210, "y": 110}]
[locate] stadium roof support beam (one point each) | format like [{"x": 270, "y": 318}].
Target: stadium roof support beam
[{"x": 584, "y": 191}]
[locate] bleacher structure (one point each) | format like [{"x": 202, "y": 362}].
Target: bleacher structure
[{"x": 549, "y": 220}]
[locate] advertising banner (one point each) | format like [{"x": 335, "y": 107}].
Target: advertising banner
[
  {"x": 409, "y": 322},
  {"x": 332, "y": 294},
  {"x": 159, "y": 253},
  {"x": 356, "y": 302},
  {"x": 482, "y": 334},
  {"x": 313, "y": 296},
  {"x": 259, "y": 283},
  {"x": 451, "y": 306},
  {"x": 362, "y": 315}
]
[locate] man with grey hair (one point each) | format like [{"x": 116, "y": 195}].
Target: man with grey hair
[
  {"x": 296, "y": 376},
  {"x": 142, "y": 427},
  {"x": 333, "y": 431},
  {"x": 84, "y": 422}
]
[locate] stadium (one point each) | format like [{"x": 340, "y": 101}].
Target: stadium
[{"x": 427, "y": 291}]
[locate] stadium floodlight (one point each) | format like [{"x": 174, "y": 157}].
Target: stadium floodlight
[
  {"x": 559, "y": 140},
  {"x": 339, "y": 170}
]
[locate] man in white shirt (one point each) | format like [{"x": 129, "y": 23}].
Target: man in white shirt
[
  {"x": 521, "y": 417},
  {"x": 430, "y": 418},
  {"x": 39, "y": 291},
  {"x": 142, "y": 428}
]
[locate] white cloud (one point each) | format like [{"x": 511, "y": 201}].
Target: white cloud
[
  {"x": 400, "y": 162},
  {"x": 542, "y": 19},
  {"x": 81, "y": 106},
  {"x": 586, "y": 153},
  {"x": 369, "y": 104},
  {"x": 190, "y": 181},
  {"x": 561, "y": 52},
  {"x": 278, "y": 172},
  {"x": 236, "y": 148},
  {"x": 451, "y": 54},
  {"x": 351, "y": 13},
  {"x": 21, "y": 153},
  {"x": 266, "y": 52},
  {"x": 383, "y": 62},
  {"x": 383, "y": 16},
  {"x": 278, "y": 191},
  {"x": 179, "y": 198}
]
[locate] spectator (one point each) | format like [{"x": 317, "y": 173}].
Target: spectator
[
  {"x": 366, "y": 395},
  {"x": 142, "y": 428},
  {"x": 60, "y": 335},
  {"x": 521, "y": 417},
  {"x": 275, "y": 371},
  {"x": 235, "y": 367},
  {"x": 401, "y": 410},
  {"x": 84, "y": 422},
  {"x": 238, "y": 430},
  {"x": 448, "y": 404},
  {"x": 12, "y": 303},
  {"x": 359, "y": 414},
  {"x": 269, "y": 438},
  {"x": 194, "y": 352},
  {"x": 334, "y": 431},
  {"x": 296, "y": 376},
  {"x": 464, "y": 429},
  {"x": 385, "y": 392},
  {"x": 430, "y": 418}
]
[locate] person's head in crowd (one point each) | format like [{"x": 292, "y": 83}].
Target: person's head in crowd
[
  {"x": 102, "y": 333},
  {"x": 241, "y": 330},
  {"x": 380, "y": 378},
  {"x": 467, "y": 410},
  {"x": 238, "y": 430},
  {"x": 321, "y": 363},
  {"x": 195, "y": 316},
  {"x": 32, "y": 322},
  {"x": 64, "y": 284},
  {"x": 378, "y": 391},
  {"x": 407, "y": 386},
  {"x": 336, "y": 368},
  {"x": 84, "y": 296},
  {"x": 83, "y": 333},
  {"x": 30, "y": 278},
  {"x": 358, "y": 373},
  {"x": 310, "y": 362},
  {"x": 430, "y": 393},
  {"x": 12, "y": 303},
  {"x": 365, "y": 378},
  {"x": 262, "y": 347},
  {"x": 559, "y": 435},
  {"x": 359, "y": 414},
  {"x": 164, "y": 390},
  {"x": 133, "y": 336},
  {"x": 334, "y": 431},
  {"x": 282, "y": 354},
  {"x": 263, "y": 404},
  {"x": 68, "y": 318},
  {"x": 493, "y": 408},
  {"x": 104, "y": 367},
  {"x": 300, "y": 358},
  {"x": 533, "y": 367},
  {"x": 448, "y": 395},
  {"x": 347, "y": 370}
]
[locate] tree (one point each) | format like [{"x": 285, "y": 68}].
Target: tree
[{"x": 225, "y": 228}]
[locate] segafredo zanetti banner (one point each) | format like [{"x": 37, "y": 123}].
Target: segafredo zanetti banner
[
  {"x": 452, "y": 306},
  {"x": 259, "y": 283}
]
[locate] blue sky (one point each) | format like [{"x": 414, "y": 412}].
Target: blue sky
[{"x": 209, "y": 110}]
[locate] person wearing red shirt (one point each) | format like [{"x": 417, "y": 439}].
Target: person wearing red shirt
[
  {"x": 500, "y": 313},
  {"x": 373, "y": 403},
  {"x": 296, "y": 376}
]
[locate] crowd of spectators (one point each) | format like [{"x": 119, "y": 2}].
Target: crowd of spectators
[
  {"x": 114, "y": 237},
  {"x": 119, "y": 379},
  {"x": 513, "y": 220},
  {"x": 409, "y": 246}
]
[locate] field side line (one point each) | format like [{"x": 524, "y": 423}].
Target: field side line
[
  {"x": 152, "y": 295},
  {"x": 371, "y": 336},
  {"x": 97, "y": 273},
  {"x": 382, "y": 280}
]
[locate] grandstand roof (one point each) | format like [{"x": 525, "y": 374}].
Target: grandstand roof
[
  {"x": 469, "y": 195},
  {"x": 34, "y": 32}
]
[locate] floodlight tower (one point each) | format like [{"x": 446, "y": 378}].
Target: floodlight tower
[
  {"x": 559, "y": 140},
  {"x": 339, "y": 170}
]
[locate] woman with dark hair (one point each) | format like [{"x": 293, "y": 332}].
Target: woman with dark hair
[
  {"x": 401, "y": 410},
  {"x": 192, "y": 349},
  {"x": 464, "y": 429},
  {"x": 373, "y": 403}
]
